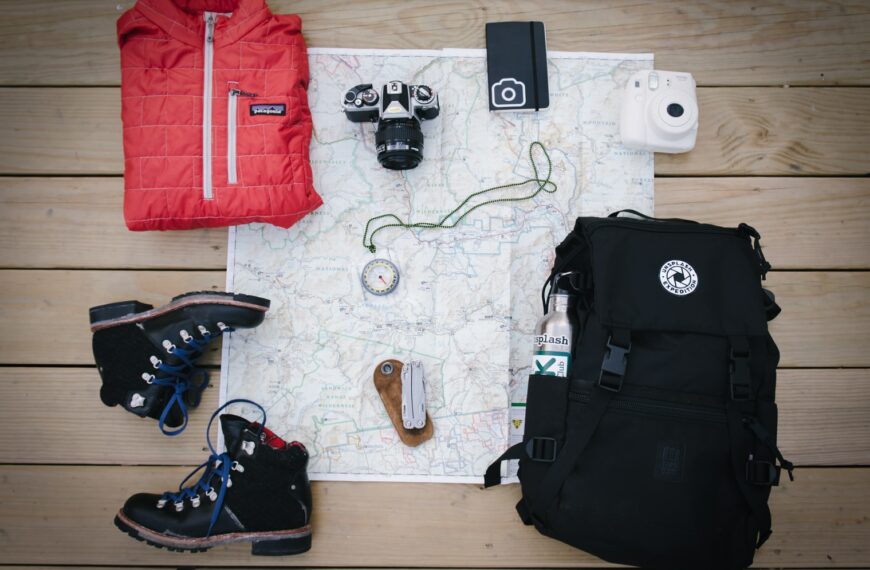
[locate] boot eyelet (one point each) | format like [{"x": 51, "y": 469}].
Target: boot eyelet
[
  {"x": 179, "y": 506},
  {"x": 222, "y": 327},
  {"x": 170, "y": 348},
  {"x": 195, "y": 501},
  {"x": 203, "y": 331},
  {"x": 238, "y": 467},
  {"x": 161, "y": 503},
  {"x": 185, "y": 336},
  {"x": 156, "y": 362},
  {"x": 229, "y": 481},
  {"x": 148, "y": 377},
  {"x": 212, "y": 494}
]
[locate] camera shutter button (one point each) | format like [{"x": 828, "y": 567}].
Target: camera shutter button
[{"x": 653, "y": 81}]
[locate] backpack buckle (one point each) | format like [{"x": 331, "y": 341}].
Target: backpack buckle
[
  {"x": 541, "y": 449},
  {"x": 741, "y": 380},
  {"x": 613, "y": 366},
  {"x": 762, "y": 473}
]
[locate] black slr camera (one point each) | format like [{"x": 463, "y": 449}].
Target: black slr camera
[{"x": 399, "y": 110}]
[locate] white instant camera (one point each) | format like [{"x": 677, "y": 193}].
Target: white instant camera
[{"x": 659, "y": 112}]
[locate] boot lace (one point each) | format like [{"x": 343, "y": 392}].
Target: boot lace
[
  {"x": 184, "y": 377},
  {"x": 217, "y": 465}
]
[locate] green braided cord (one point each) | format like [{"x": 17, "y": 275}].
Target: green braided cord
[{"x": 544, "y": 185}]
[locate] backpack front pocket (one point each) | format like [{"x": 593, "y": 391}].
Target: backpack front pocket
[{"x": 658, "y": 471}]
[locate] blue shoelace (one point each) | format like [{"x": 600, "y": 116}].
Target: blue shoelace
[
  {"x": 219, "y": 464},
  {"x": 184, "y": 377}
]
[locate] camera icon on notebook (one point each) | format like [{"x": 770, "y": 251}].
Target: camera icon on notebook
[{"x": 508, "y": 92}]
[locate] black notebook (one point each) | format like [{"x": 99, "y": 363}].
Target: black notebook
[{"x": 516, "y": 66}]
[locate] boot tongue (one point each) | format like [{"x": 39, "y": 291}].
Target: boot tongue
[{"x": 234, "y": 428}]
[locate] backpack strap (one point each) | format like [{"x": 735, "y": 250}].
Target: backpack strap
[
  {"x": 739, "y": 456},
  {"x": 771, "y": 309},
  {"x": 751, "y": 474},
  {"x": 582, "y": 420}
]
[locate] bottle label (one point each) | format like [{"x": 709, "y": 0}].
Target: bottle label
[{"x": 551, "y": 363}]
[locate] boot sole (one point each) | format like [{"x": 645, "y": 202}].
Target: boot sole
[
  {"x": 274, "y": 543},
  {"x": 126, "y": 312}
]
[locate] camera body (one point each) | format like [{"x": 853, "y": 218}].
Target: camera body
[
  {"x": 398, "y": 110},
  {"x": 660, "y": 112}
]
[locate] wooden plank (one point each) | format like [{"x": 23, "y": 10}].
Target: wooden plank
[
  {"x": 807, "y": 42},
  {"x": 825, "y": 321},
  {"x": 744, "y": 131},
  {"x": 822, "y": 420},
  {"x": 775, "y": 131},
  {"x": 821, "y": 519},
  {"x": 50, "y": 308},
  {"x": 807, "y": 223},
  {"x": 79, "y": 222}
]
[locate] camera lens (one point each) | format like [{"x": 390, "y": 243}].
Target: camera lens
[
  {"x": 399, "y": 143},
  {"x": 675, "y": 110}
]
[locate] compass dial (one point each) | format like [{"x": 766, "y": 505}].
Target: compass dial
[{"x": 380, "y": 277}]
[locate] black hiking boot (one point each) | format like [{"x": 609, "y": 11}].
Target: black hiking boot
[
  {"x": 147, "y": 356},
  {"x": 257, "y": 491}
]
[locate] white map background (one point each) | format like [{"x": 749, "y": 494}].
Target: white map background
[{"x": 468, "y": 298}]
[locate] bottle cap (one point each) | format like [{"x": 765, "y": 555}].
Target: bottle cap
[{"x": 565, "y": 284}]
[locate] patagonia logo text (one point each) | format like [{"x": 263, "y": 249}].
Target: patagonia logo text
[{"x": 269, "y": 109}]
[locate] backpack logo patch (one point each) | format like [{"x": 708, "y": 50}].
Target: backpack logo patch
[
  {"x": 268, "y": 109},
  {"x": 678, "y": 277}
]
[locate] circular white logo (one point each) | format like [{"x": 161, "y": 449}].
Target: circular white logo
[{"x": 678, "y": 277}]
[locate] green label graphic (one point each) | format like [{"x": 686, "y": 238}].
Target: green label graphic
[{"x": 549, "y": 363}]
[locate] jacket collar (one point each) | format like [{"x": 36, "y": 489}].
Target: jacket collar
[{"x": 184, "y": 19}]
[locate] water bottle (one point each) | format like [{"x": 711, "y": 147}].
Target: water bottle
[{"x": 554, "y": 332}]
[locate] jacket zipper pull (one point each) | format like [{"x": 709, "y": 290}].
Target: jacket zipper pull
[{"x": 209, "y": 28}]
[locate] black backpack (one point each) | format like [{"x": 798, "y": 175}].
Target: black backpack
[{"x": 660, "y": 449}]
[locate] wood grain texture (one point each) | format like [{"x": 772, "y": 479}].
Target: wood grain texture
[
  {"x": 54, "y": 304},
  {"x": 79, "y": 222},
  {"x": 807, "y": 223},
  {"x": 823, "y": 420},
  {"x": 743, "y": 131},
  {"x": 821, "y": 519},
  {"x": 776, "y": 131},
  {"x": 798, "y": 42},
  {"x": 825, "y": 321}
]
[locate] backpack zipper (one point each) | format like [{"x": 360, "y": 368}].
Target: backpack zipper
[
  {"x": 208, "y": 55},
  {"x": 232, "y": 107},
  {"x": 663, "y": 409}
]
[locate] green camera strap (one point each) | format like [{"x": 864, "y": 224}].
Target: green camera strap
[{"x": 543, "y": 185}]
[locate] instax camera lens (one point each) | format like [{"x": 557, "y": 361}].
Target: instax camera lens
[{"x": 675, "y": 110}]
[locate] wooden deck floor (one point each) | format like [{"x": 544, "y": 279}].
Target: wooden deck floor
[{"x": 784, "y": 145}]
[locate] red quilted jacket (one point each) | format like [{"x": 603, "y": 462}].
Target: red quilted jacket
[{"x": 215, "y": 113}]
